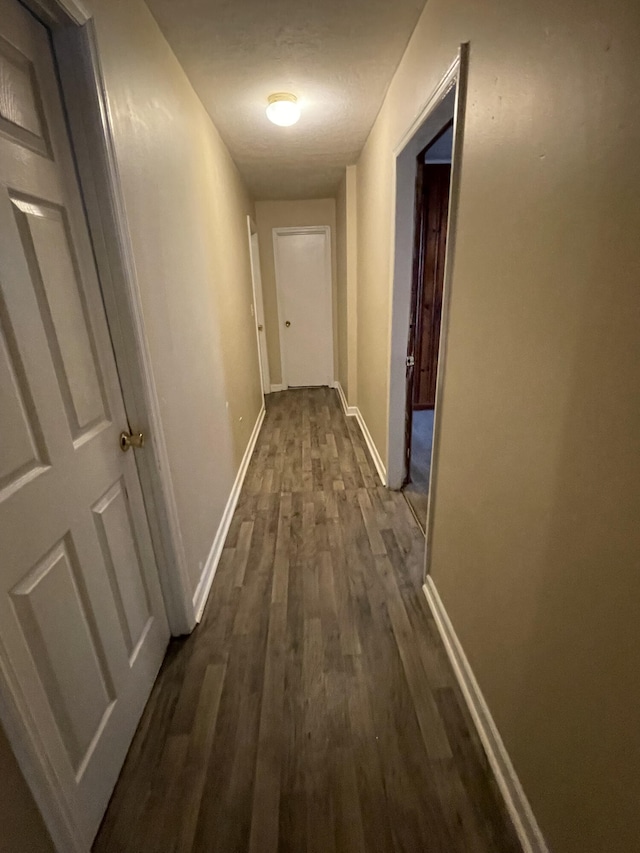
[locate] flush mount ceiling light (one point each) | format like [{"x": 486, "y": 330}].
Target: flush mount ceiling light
[{"x": 283, "y": 109}]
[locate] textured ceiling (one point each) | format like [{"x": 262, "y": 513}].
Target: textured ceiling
[{"x": 337, "y": 56}]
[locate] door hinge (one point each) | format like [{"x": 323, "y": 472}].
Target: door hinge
[{"x": 410, "y": 361}]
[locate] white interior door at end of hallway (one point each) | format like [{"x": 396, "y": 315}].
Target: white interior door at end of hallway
[
  {"x": 303, "y": 277},
  {"x": 256, "y": 278},
  {"x": 83, "y": 629}
]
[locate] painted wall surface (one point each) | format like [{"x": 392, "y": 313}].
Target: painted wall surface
[
  {"x": 536, "y": 541},
  {"x": 347, "y": 284},
  {"x": 290, "y": 214},
  {"x": 22, "y": 829},
  {"x": 341, "y": 286},
  {"x": 351, "y": 224},
  {"x": 187, "y": 209}
]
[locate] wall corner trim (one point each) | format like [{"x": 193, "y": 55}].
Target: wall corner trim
[
  {"x": 354, "y": 412},
  {"x": 350, "y": 411},
  {"x": 515, "y": 799},
  {"x": 204, "y": 586},
  {"x": 373, "y": 450}
]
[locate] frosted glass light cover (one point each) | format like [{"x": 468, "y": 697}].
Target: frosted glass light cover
[{"x": 283, "y": 110}]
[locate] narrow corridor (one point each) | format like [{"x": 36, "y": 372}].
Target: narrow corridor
[{"x": 314, "y": 708}]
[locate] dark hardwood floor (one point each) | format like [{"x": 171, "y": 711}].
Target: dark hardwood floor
[{"x": 313, "y": 709}]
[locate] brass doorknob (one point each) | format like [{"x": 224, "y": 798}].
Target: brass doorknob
[
  {"x": 260, "y": 328},
  {"x": 287, "y": 324},
  {"x": 128, "y": 439}
]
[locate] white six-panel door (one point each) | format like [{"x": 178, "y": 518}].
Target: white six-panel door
[
  {"x": 303, "y": 276},
  {"x": 82, "y": 623}
]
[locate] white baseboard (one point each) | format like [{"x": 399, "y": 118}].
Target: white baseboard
[
  {"x": 524, "y": 820},
  {"x": 209, "y": 571},
  {"x": 373, "y": 450},
  {"x": 278, "y": 388},
  {"x": 354, "y": 412},
  {"x": 350, "y": 411}
]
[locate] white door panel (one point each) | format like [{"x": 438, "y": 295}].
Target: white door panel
[
  {"x": 82, "y": 621},
  {"x": 303, "y": 275}
]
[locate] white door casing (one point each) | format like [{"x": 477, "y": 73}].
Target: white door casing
[
  {"x": 447, "y": 100},
  {"x": 256, "y": 280},
  {"x": 82, "y": 622},
  {"x": 304, "y": 284},
  {"x": 91, "y": 126}
]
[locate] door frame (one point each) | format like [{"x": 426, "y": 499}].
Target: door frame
[
  {"x": 258, "y": 297},
  {"x": 306, "y": 229},
  {"x": 401, "y": 275},
  {"x": 91, "y": 131},
  {"x": 85, "y": 98}
]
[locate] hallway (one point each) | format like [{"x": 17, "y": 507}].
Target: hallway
[{"x": 314, "y": 707}]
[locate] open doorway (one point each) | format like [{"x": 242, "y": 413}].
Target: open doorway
[
  {"x": 427, "y": 182},
  {"x": 433, "y": 178}
]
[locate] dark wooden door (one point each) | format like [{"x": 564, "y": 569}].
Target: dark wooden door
[
  {"x": 435, "y": 205},
  {"x": 431, "y": 217}
]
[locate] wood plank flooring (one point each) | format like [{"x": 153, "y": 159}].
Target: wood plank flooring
[{"x": 314, "y": 708}]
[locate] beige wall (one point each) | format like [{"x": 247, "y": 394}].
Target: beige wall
[
  {"x": 187, "y": 208},
  {"x": 285, "y": 214},
  {"x": 536, "y": 540},
  {"x": 352, "y": 283},
  {"x": 21, "y": 827},
  {"x": 346, "y": 284},
  {"x": 342, "y": 371}
]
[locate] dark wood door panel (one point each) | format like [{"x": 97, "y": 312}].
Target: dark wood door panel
[{"x": 435, "y": 204}]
